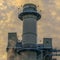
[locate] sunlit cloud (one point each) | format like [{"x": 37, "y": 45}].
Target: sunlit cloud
[
  {"x": 53, "y": 13},
  {"x": 57, "y": 3},
  {"x": 58, "y": 18}
]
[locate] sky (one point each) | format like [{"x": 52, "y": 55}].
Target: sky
[{"x": 47, "y": 27}]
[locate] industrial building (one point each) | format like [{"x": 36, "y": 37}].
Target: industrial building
[{"x": 28, "y": 49}]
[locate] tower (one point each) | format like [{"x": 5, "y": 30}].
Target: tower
[
  {"x": 29, "y": 16},
  {"x": 47, "y": 43},
  {"x": 12, "y": 40},
  {"x": 28, "y": 49}
]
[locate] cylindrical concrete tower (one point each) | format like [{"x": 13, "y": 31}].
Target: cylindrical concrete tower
[{"x": 29, "y": 16}]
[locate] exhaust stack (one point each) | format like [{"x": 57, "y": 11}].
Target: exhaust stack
[{"x": 29, "y": 16}]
